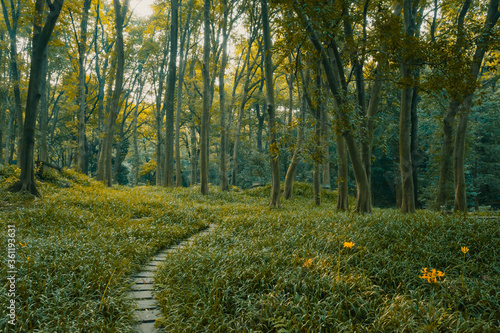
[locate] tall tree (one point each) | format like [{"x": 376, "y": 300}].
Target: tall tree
[
  {"x": 407, "y": 68},
  {"x": 82, "y": 96},
  {"x": 206, "y": 100},
  {"x": 483, "y": 43},
  {"x": 271, "y": 111},
  {"x": 363, "y": 200},
  {"x": 170, "y": 95},
  {"x": 41, "y": 37},
  {"x": 462, "y": 89},
  {"x": 224, "y": 183},
  {"x": 104, "y": 168},
  {"x": 12, "y": 28}
]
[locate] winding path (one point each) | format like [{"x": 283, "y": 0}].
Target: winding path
[{"x": 142, "y": 290}]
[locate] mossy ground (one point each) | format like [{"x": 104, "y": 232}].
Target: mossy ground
[{"x": 260, "y": 270}]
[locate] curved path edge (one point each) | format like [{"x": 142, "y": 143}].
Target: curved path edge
[{"x": 141, "y": 291}]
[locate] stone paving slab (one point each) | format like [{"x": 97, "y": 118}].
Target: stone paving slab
[
  {"x": 145, "y": 328},
  {"x": 145, "y": 274},
  {"x": 146, "y": 304},
  {"x": 140, "y": 294},
  {"x": 147, "y": 315},
  {"x": 142, "y": 286}
]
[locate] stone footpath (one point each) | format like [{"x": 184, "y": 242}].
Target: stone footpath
[{"x": 142, "y": 290}]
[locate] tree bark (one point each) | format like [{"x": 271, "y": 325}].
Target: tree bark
[
  {"x": 446, "y": 155},
  {"x": 204, "y": 135},
  {"x": 44, "y": 110},
  {"x": 407, "y": 75},
  {"x": 241, "y": 110},
  {"x": 273, "y": 142},
  {"x": 82, "y": 96},
  {"x": 292, "y": 168},
  {"x": 12, "y": 24},
  {"x": 224, "y": 183},
  {"x": 41, "y": 37},
  {"x": 460, "y": 203},
  {"x": 169, "y": 97},
  {"x": 343, "y": 174},
  {"x": 106, "y": 151}
]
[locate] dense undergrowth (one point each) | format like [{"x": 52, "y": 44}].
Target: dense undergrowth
[
  {"x": 78, "y": 237},
  {"x": 260, "y": 270}
]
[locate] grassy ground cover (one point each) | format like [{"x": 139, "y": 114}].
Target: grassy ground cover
[
  {"x": 75, "y": 240},
  {"x": 287, "y": 270}
]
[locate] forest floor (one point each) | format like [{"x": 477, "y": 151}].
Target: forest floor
[{"x": 298, "y": 268}]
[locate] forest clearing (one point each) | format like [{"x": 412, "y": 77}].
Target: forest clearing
[
  {"x": 255, "y": 165},
  {"x": 300, "y": 268}
]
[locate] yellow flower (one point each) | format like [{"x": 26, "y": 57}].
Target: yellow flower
[
  {"x": 308, "y": 263},
  {"x": 465, "y": 249},
  {"x": 349, "y": 245},
  {"x": 432, "y": 276}
]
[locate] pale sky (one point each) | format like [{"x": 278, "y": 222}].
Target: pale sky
[{"x": 141, "y": 7}]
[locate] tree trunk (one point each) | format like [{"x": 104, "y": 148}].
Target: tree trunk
[
  {"x": 407, "y": 75},
  {"x": 41, "y": 37},
  {"x": 414, "y": 142},
  {"x": 343, "y": 174},
  {"x": 406, "y": 167},
  {"x": 292, "y": 168},
  {"x": 114, "y": 105},
  {"x": 273, "y": 142},
  {"x": 169, "y": 97},
  {"x": 446, "y": 155},
  {"x": 12, "y": 25},
  {"x": 458, "y": 163},
  {"x": 224, "y": 184},
  {"x": 204, "y": 135},
  {"x": 82, "y": 96},
  {"x": 325, "y": 143},
  {"x": 44, "y": 110},
  {"x": 241, "y": 110}
]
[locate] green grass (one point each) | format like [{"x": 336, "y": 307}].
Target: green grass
[
  {"x": 73, "y": 239},
  {"x": 260, "y": 270},
  {"x": 250, "y": 275}
]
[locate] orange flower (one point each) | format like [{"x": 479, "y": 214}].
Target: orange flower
[{"x": 349, "y": 245}]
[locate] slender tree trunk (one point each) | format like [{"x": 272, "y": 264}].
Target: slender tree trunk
[
  {"x": 101, "y": 164},
  {"x": 458, "y": 164},
  {"x": 224, "y": 184},
  {"x": 241, "y": 110},
  {"x": 8, "y": 136},
  {"x": 12, "y": 24},
  {"x": 115, "y": 105},
  {"x": 182, "y": 69},
  {"x": 414, "y": 142},
  {"x": 446, "y": 154},
  {"x": 318, "y": 153},
  {"x": 273, "y": 143},
  {"x": 44, "y": 110},
  {"x": 366, "y": 148},
  {"x": 292, "y": 168},
  {"x": 407, "y": 74},
  {"x": 41, "y": 37},
  {"x": 406, "y": 167},
  {"x": 204, "y": 135},
  {"x": 343, "y": 174},
  {"x": 82, "y": 96},
  {"x": 169, "y": 97},
  {"x": 136, "y": 159},
  {"x": 325, "y": 143}
]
